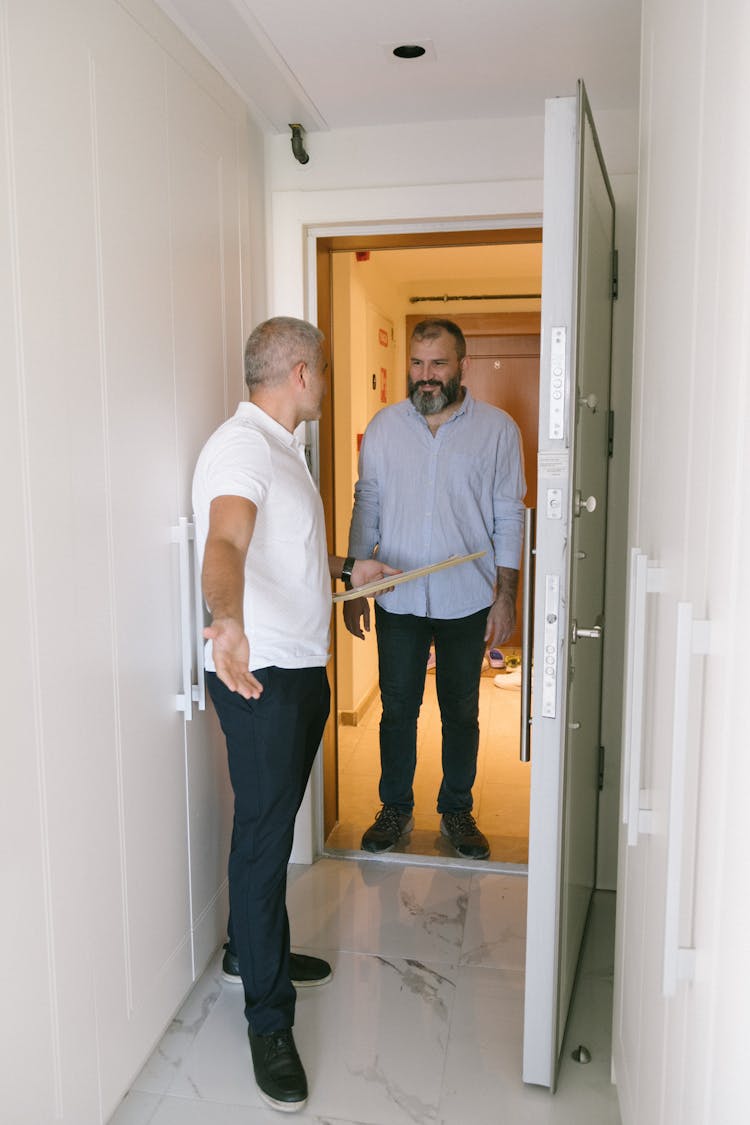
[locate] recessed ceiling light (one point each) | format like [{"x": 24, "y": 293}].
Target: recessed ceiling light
[
  {"x": 396, "y": 53},
  {"x": 409, "y": 51}
]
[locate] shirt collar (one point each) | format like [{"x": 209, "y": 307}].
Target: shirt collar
[{"x": 264, "y": 421}]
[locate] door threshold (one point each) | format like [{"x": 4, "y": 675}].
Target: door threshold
[{"x": 405, "y": 859}]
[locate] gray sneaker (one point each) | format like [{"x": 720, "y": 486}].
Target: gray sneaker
[
  {"x": 463, "y": 833},
  {"x": 389, "y": 826}
]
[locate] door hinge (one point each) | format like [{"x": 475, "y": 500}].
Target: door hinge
[
  {"x": 600, "y": 780},
  {"x": 615, "y": 274},
  {"x": 610, "y": 432}
]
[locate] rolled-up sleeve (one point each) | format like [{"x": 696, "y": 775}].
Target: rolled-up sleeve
[
  {"x": 364, "y": 533},
  {"x": 507, "y": 498}
]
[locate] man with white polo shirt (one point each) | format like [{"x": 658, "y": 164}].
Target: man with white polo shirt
[{"x": 266, "y": 575}]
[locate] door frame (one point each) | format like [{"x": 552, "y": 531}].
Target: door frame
[
  {"x": 296, "y": 219},
  {"x": 321, "y": 247}
]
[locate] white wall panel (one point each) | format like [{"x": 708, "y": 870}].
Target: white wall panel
[
  {"x": 678, "y": 1052},
  {"x": 24, "y": 882},
  {"x": 125, "y": 224}
]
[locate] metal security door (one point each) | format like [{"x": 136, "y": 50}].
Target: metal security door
[{"x": 574, "y": 439}]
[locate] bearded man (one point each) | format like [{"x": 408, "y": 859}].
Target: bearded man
[{"x": 440, "y": 474}]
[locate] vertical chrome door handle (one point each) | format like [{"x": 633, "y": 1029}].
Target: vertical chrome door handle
[
  {"x": 198, "y": 689},
  {"x": 527, "y": 629},
  {"x": 181, "y": 536}
]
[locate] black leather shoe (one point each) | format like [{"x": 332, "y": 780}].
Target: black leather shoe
[
  {"x": 389, "y": 826},
  {"x": 305, "y": 971},
  {"x": 463, "y": 833},
  {"x": 278, "y": 1070}
]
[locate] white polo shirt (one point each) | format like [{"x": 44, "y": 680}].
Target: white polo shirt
[{"x": 287, "y": 601}]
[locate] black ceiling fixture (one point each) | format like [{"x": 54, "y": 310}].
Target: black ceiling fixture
[
  {"x": 298, "y": 143},
  {"x": 409, "y": 51}
]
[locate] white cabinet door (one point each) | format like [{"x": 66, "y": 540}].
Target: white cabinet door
[
  {"x": 121, "y": 204},
  {"x": 570, "y": 631},
  {"x": 142, "y": 958},
  {"x": 682, "y": 986}
]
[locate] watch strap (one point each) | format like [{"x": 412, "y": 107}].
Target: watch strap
[{"x": 346, "y": 572}]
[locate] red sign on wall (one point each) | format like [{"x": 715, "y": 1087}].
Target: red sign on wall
[{"x": 383, "y": 337}]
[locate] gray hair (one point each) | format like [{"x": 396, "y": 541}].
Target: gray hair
[{"x": 276, "y": 346}]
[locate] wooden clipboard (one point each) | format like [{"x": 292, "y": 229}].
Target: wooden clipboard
[{"x": 405, "y": 576}]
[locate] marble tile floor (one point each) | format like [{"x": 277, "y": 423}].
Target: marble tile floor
[{"x": 421, "y": 1025}]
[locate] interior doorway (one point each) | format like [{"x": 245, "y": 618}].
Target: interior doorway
[{"x": 371, "y": 290}]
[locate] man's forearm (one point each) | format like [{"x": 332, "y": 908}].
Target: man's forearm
[
  {"x": 335, "y": 563},
  {"x": 224, "y": 579},
  {"x": 506, "y": 582}
]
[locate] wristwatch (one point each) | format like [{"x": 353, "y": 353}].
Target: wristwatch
[{"x": 346, "y": 572}]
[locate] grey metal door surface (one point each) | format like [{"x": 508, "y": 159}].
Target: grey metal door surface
[{"x": 573, "y": 463}]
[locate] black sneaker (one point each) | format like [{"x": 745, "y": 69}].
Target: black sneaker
[
  {"x": 305, "y": 971},
  {"x": 463, "y": 833},
  {"x": 278, "y": 1070},
  {"x": 390, "y": 825}
]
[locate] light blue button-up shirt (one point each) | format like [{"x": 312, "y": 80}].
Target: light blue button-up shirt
[{"x": 421, "y": 499}]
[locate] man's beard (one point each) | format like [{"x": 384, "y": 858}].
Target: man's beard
[{"x": 433, "y": 403}]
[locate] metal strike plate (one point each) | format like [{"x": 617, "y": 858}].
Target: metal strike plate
[
  {"x": 554, "y": 503},
  {"x": 557, "y": 383},
  {"x": 551, "y": 633}
]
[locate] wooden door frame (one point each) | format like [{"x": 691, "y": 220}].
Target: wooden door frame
[{"x": 325, "y": 247}]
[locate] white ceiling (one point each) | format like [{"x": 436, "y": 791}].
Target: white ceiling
[
  {"x": 496, "y": 269},
  {"x": 328, "y": 64}
]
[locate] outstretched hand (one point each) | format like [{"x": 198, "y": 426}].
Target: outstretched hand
[
  {"x": 231, "y": 653},
  {"x": 370, "y": 570}
]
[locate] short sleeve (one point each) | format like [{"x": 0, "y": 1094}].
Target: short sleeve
[{"x": 242, "y": 467}]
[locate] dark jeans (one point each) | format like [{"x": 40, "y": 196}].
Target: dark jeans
[
  {"x": 403, "y": 647},
  {"x": 271, "y": 743}
]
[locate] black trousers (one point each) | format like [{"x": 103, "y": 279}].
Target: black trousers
[
  {"x": 271, "y": 745},
  {"x": 403, "y": 645}
]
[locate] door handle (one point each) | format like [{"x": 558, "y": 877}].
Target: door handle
[
  {"x": 198, "y": 689},
  {"x": 592, "y": 634},
  {"x": 191, "y": 621},
  {"x": 693, "y": 638},
  {"x": 181, "y": 536},
  {"x": 527, "y": 629},
  {"x": 580, "y": 505}
]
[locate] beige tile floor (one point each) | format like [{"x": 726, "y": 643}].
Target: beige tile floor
[{"x": 501, "y": 790}]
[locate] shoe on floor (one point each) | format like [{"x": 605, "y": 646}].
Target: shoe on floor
[
  {"x": 463, "y": 833},
  {"x": 278, "y": 1070},
  {"x": 305, "y": 971},
  {"x": 496, "y": 658},
  {"x": 389, "y": 826}
]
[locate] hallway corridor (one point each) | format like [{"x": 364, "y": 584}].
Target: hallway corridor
[{"x": 422, "y": 1022}]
